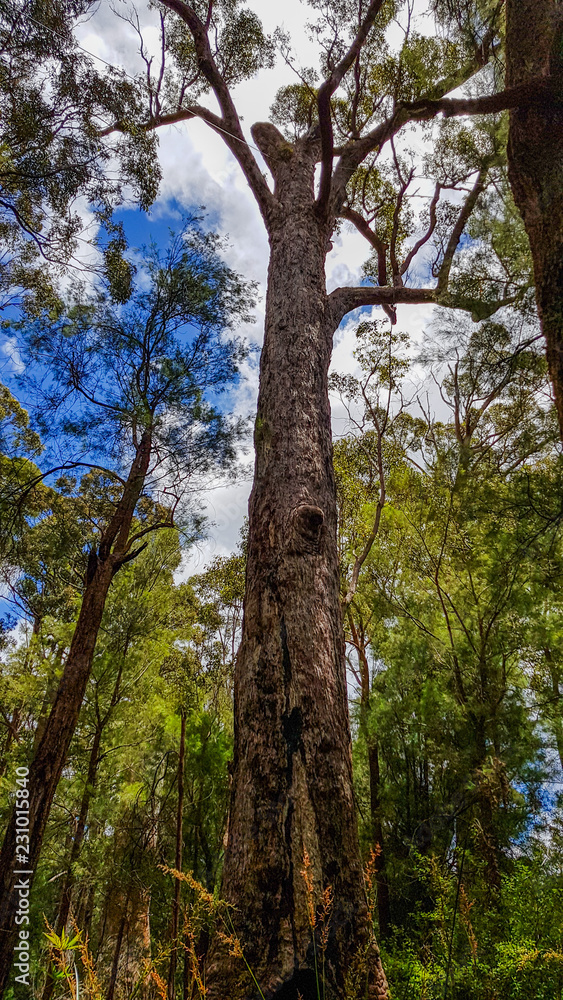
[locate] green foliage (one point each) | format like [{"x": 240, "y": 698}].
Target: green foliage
[
  {"x": 15, "y": 432},
  {"x": 447, "y": 611},
  {"x": 151, "y": 365},
  {"x": 22, "y": 493},
  {"x": 52, "y": 102},
  {"x": 238, "y": 44},
  {"x": 523, "y": 957},
  {"x": 294, "y": 109}
]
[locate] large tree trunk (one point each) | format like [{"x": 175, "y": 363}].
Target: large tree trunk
[
  {"x": 51, "y": 753},
  {"x": 534, "y": 40},
  {"x": 292, "y": 773}
]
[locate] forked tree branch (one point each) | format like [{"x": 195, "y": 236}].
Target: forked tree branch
[
  {"x": 432, "y": 219},
  {"x": 328, "y": 88},
  {"x": 363, "y": 227},
  {"x": 539, "y": 91}
]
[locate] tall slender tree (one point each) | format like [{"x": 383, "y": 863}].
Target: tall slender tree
[{"x": 138, "y": 378}]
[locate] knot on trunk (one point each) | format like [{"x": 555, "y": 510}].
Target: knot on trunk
[
  {"x": 307, "y": 523},
  {"x": 272, "y": 144},
  {"x": 92, "y": 565}
]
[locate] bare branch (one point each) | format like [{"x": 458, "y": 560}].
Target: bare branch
[
  {"x": 423, "y": 239},
  {"x": 344, "y": 300},
  {"x": 461, "y": 222},
  {"x": 378, "y": 245}
]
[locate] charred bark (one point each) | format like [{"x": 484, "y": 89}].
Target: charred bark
[
  {"x": 534, "y": 40},
  {"x": 51, "y": 753},
  {"x": 292, "y": 770}
]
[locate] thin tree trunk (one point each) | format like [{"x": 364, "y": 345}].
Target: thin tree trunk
[
  {"x": 12, "y": 729},
  {"x": 534, "y": 39},
  {"x": 557, "y": 721},
  {"x": 66, "y": 895},
  {"x": 175, "y": 922},
  {"x": 383, "y": 900},
  {"x": 116, "y": 956},
  {"x": 487, "y": 841},
  {"x": 292, "y": 769},
  {"x": 51, "y": 753},
  {"x": 125, "y": 952}
]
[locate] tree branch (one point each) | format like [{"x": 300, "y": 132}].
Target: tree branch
[
  {"x": 423, "y": 239},
  {"x": 538, "y": 91},
  {"x": 461, "y": 222},
  {"x": 378, "y": 245},
  {"x": 328, "y": 88},
  {"x": 344, "y": 300},
  {"x": 230, "y": 121}
]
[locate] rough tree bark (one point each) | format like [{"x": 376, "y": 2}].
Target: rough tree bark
[
  {"x": 50, "y": 756},
  {"x": 534, "y": 50},
  {"x": 292, "y": 772}
]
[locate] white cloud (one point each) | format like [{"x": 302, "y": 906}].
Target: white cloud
[{"x": 13, "y": 365}]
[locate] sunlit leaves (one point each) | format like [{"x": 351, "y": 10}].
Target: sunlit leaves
[
  {"x": 295, "y": 109},
  {"x": 238, "y": 43}
]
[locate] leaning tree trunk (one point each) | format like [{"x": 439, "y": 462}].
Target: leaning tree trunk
[
  {"x": 51, "y": 753},
  {"x": 534, "y": 41},
  {"x": 292, "y": 772}
]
